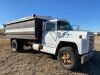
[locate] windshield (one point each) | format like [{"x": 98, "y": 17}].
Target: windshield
[{"x": 61, "y": 25}]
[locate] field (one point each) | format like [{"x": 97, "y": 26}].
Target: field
[
  {"x": 97, "y": 43},
  {"x": 36, "y": 63}
]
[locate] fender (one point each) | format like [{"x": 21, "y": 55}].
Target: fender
[{"x": 78, "y": 43}]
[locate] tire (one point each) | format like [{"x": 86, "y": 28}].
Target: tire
[
  {"x": 16, "y": 46},
  {"x": 67, "y": 58}
]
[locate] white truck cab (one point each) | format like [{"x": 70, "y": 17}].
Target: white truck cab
[
  {"x": 59, "y": 34},
  {"x": 54, "y": 36}
]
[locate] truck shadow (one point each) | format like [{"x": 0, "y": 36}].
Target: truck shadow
[
  {"x": 30, "y": 51},
  {"x": 92, "y": 67}
]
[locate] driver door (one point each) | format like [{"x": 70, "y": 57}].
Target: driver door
[{"x": 49, "y": 37}]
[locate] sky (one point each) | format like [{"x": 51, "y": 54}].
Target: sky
[{"x": 85, "y": 13}]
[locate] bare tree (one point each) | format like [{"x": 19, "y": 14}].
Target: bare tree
[{"x": 1, "y": 31}]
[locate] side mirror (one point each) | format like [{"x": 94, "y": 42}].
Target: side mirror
[{"x": 76, "y": 27}]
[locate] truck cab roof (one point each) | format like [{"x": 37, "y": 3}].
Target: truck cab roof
[{"x": 55, "y": 20}]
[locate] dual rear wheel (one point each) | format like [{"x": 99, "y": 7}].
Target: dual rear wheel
[{"x": 16, "y": 45}]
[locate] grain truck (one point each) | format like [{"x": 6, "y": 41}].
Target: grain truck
[{"x": 51, "y": 35}]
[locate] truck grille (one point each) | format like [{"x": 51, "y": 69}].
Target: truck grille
[{"x": 91, "y": 43}]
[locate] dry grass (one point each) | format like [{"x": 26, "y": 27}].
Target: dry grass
[
  {"x": 97, "y": 38},
  {"x": 4, "y": 41},
  {"x": 97, "y": 43}
]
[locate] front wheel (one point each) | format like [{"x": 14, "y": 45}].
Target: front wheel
[{"x": 67, "y": 58}]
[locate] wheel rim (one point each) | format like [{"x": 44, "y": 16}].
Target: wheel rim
[{"x": 66, "y": 59}]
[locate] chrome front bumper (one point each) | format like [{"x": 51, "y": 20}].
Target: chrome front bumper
[{"x": 86, "y": 57}]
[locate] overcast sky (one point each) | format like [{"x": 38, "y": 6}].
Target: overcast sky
[{"x": 85, "y": 13}]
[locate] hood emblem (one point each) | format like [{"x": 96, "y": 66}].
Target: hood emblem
[{"x": 64, "y": 34}]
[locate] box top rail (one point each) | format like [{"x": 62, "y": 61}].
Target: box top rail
[{"x": 29, "y": 18}]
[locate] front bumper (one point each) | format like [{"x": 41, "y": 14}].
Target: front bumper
[{"x": 86, "y": 57}]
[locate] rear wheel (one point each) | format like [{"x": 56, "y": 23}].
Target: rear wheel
[
  {"x": 16, "y": 45},
  {"x": 67, "y": 58}
]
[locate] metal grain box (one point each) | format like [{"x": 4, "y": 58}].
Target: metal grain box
[{"x": 25, "y": 28}]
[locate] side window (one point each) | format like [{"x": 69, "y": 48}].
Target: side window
[{"x": 50, "y": 27}]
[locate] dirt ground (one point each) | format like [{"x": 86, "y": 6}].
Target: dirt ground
[{"x": 36, "y": 63}]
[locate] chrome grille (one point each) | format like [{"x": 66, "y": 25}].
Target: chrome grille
[{"x": 91, "y": 42}]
